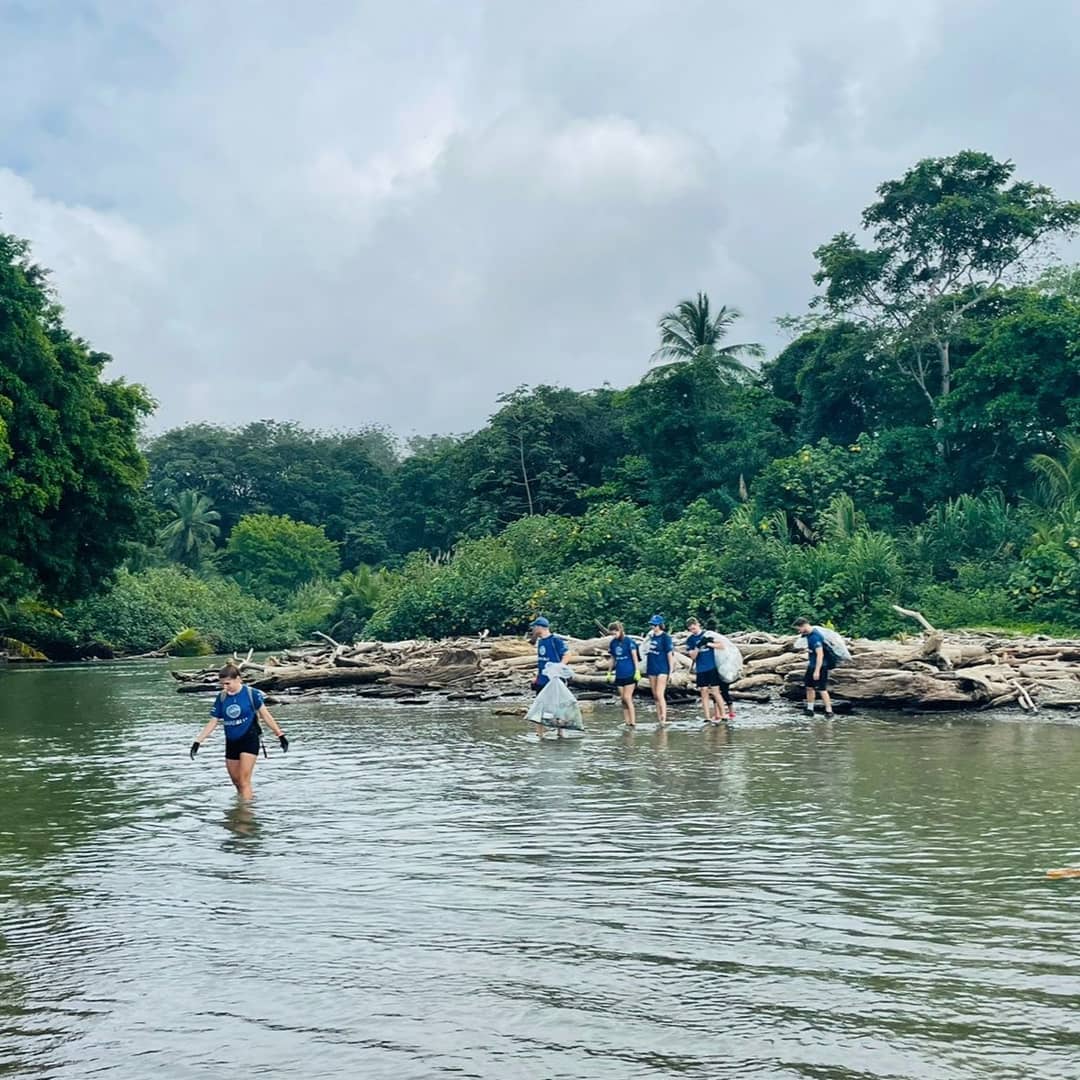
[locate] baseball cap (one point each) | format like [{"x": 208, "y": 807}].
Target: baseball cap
[
  {"x": 657, "y": 620},
  {"x": 540, "y": 621}
]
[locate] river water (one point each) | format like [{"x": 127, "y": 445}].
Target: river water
[{"x": 428, "y": 892}]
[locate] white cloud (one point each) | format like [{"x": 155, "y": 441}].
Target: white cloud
[{"x": 352, "y": 212}]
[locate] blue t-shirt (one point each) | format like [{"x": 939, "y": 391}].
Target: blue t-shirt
[
  {"x": 549, "y": 650},
  {"x": 657, "y": 649},
  {"x": 626, "y": 655},
  {"x": 814, "y": 640},
  {"x": 706, "y": 660},
  {"x": 237, "y": 711}
]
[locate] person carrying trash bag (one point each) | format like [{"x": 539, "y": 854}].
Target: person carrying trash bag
[
  {"x": 623, "y": 669},
  {"x": 555, "y": 706},
  {"x": 703, "y": 646},
  {"x": 550, "y": 649},
  {"x": 823, "y": 653}
]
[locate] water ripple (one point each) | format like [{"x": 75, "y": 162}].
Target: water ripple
[{"x": 428, "y": 893}]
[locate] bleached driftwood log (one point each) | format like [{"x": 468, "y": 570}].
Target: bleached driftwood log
[{"x": 934, "y": 670}]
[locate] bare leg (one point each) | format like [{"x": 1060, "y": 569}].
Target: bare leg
[
  {"x": 539, "y": 731},
  {"x": 718, "y": 705},
  {"x": 705, "y": 703},
  {"x": 240, "y": 773},
  {"x": 626, "y": 696},
  {"x": 659, "y": 693},
  {"x": 811, "y": 694},
  {"x": 826, "y": 700}
]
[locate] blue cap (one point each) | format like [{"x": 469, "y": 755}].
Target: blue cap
[
  {"x": 657, "y": 620},
  {"x": 540, "y": 621}
]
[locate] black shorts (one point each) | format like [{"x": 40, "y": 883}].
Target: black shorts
[
  {"x": 624, "y": 680},
  {"x": 248, "y": 743},
  {"x": 707, "y": 678},
  {"x": 820, "y": 683}
]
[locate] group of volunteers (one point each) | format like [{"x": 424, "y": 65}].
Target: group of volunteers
[
  {"x": 656, "y": 649},
  {"x": 239, "y": 707}
]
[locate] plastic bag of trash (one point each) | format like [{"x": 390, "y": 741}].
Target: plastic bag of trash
[
  {"x": 728, "y": 658},
  {"x": 556, "y": 707}
]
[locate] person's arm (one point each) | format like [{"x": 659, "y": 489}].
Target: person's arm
[
  {"x": 203, "y": 736},
  {"x": 275, "y": 727},
  {"x": 819, "y": 656},
  {"x": 207, "y": 731}
]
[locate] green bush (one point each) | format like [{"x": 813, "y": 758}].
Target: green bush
[
  {"x": 145, "y": 611},
  {"x": 1046, "y": 581},
  {"x": 273, "y": 556}
]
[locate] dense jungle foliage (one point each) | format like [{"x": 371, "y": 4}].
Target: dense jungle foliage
[{"x": 917, "y": 442}]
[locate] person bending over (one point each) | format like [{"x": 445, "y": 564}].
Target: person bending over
[{"x": 818, "y": 665}]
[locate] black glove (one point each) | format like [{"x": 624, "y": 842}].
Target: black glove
[
  {"x": 283, "y": 743},
  {"x": 194, "y": 749}
]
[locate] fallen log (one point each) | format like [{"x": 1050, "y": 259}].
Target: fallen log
[
  {"x": 891, "y": 688},
  {"x": 284, "y": 678},
  {"x": 932, "y": 671}
]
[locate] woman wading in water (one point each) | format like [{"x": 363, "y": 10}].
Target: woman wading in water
[
  {"x": 623, "y": 669},
  {"x": 658, "y": 650},
  {"x": 239, "y": 708}
]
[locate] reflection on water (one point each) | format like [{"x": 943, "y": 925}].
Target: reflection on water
[
  {"x": 431, "y": 893},
  {"x": 242, "y": 825}
]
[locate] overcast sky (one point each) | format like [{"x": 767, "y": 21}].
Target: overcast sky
[{"x": 343, "y": 213}]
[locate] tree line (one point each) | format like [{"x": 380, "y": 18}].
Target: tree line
[{"x": 917, "y": 441}]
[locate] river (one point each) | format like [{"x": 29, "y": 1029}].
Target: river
[{"x": 428, "y": 893}]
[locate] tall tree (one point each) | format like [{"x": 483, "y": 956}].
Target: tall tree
[
  {"x": 338, "y": 480},
  {"x": 947, "y": 235},
  {"x": 694, "y": 332},
  {"x": 841, "y": 385},
  {"x": 1017, "y": 389},
  {"x": 191, "y": 534},
  {"x": 71, "y": 475},
  {"x": 700, "y": 432},
  {"x": 273, "y": 556}
]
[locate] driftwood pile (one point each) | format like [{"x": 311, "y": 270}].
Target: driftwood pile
[{"x": 936, "y": 671}]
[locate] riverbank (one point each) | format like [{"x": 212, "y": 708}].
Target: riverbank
[{"x": 935, "y": 671}]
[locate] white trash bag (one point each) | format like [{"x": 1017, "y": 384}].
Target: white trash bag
[
  {"x": 834, "y": 644},
  {"x": 841, "y": 654},
  {"x": 555, "y": 706},
  {"x": 729, "y": 660}
]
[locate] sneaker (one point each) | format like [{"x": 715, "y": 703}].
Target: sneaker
[{"x": 829, "y": 715}]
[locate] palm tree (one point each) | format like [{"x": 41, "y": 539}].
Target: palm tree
[
  {"x": 359, "y": 596},
  {"x": 693, "y": 332},
  {"x": 192, "y": 532},
  {"x": 1058, "y": 479}
]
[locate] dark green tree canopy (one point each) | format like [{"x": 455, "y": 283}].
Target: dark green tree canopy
[
  {"x": 946, "y": 235},
  {"x": 71, "y": 475}
]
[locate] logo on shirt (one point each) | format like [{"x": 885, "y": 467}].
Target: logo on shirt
[{"x": 234, "y": 712}]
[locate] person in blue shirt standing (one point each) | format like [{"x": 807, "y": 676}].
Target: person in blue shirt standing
[
  {"x": 239, "y": 708},
  {"x": 550, "y": 649},
  {"x": 818, "y": 664},
  {"x": 623, "y": 669},
  {"x": 714, "y": 691},
  {"x": 658, "y": 647}
]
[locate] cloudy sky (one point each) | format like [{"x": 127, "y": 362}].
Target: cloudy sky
[{"x": 343, "y": 212}]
